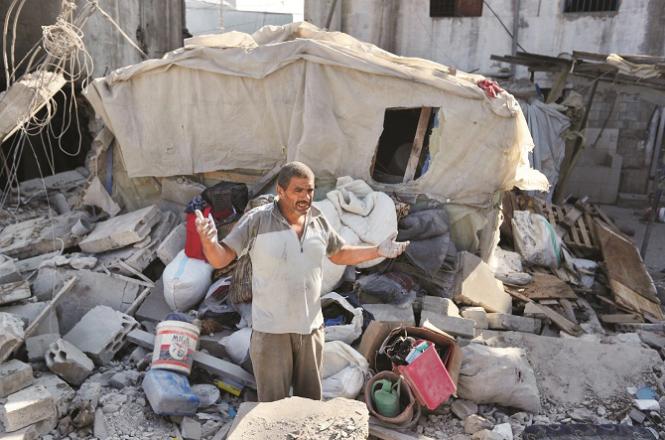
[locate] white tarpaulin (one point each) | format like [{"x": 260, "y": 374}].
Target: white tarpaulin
[{"x": 235, "y": 101}]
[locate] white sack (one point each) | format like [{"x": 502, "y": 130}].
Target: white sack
[
  {"x": 535, "y": 239},
  {"x": 348, "y": 332},
  {"x": 185, "y": 282},
  {"x": 344, "y": 370},
  {"x": 500, "y": 376},
  {"x": 237, "y": 345}
]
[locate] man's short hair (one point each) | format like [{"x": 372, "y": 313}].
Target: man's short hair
[{"x": 293, "y": 169}]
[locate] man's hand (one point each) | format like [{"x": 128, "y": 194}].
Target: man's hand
[
  {"x": 389, "y": 248},
  {"x": 206, "y": 228}
]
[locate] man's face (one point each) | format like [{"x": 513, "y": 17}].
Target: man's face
[{"x": 297, "y": 197}]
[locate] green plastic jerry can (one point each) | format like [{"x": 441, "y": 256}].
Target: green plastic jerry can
[{"x": 386, "y": 398}]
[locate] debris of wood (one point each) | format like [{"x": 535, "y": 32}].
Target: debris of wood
[
  {"x": 560, "y": 321},
  {"x": 546, "y": 286},
  {"x": 622, "y": 318},
  {"x": 579, "y": 236}
]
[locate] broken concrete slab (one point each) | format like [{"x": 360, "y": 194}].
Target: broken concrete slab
[
  {"x": 475, "y": 285},
  {"x": 33, "y": 263},
  {"x": 570, "y": 370},
  {"x": 477, "y": 315},
  {"x": 101, "y": 333},
  {"x": 29, "y": 312},
  {"x": 91, "y": 289},
  {"x": 68, "y": 362},
  {"x": 154, "y": 308},
  {"x": 190, "y": 429},
  {"x": 37, "y": 345},
  {"x": 96, "y": 195},
  {"x": 652, "y": 339},
  {"x": 172, "y": 244},
  {"x": 26, "y": 407},
  {"x": 440, "y": 306},
  {"x": 9, "y": 272},
  {"x": 282, "y": 418},
  {"x": 64, "y": 181},
  {"x": 392, "y": 313},
  {"x": 449, "y": 324},
  {"x": 62, "y": 393},
  {"x": 12, "y": 292},
  {"x": 11, "y": 333},
  {"x": 501, "y": 321},
  {"x": 121, "y": 231},
  {"x": 40, "y": 235},
  {"x": 140, "y": 254},
  {"x": 27, "y": 433},
  {"x": 14, "y": 376}
]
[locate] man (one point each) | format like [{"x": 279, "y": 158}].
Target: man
[{"x": 287, "y": 242}]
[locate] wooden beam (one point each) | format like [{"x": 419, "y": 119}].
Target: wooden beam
[
  {"x": 418, "y": 142},
  {"x": 559, "y": 320}
]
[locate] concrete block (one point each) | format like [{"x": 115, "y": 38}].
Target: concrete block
[
  {"x": 154, "y": 307},
  {"x": 25, "y": 407},
  {"x": 502, "y": 321},
  {"x": 477, "y": 315},
  {"x": 9, "y": 272},
  {"x": 124, "y": 379},
  {"x": 61, "y": 181},
  {"x": 190, "y": 429},
  {"x": 91, "y": 290},
  {"x": 449, "y": 324},
  {"x": 391, "y": 313},
  {"x": 172, "y": 244},
  {"x": 14, "y": 376},
  {"x": 12, "y": 292},
  {"x": 475, "y": 285},
  {"x": 39, "y": 235},
  {"x": 37, "y": 345},
  {"x": 121, "y": 231},
  {"x": 27, "y": 433},
  {"x": 28, "y": 312},
  {"x": 101, "y": 333},
  {"x": 531, "y": 310},
  {"x": 68, "y": 362},
  {"x": 442, "y": 306},
  {"x": 463, "y": 408},
  {"x": 62, "y": 393},
  {"x": 11, "y": 332}
]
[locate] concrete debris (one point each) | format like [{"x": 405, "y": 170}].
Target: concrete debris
[
  {"x": 14, "y": 376},
  {"x": 478, "y": 315},
  {"x": 463, "y": 408},
  {"x": 28, "y": 433},
  {"x": 25, "y": 407},
  {"x": 121, "y": 231},
  {"x": 475, "y": 285},
  {"x": 440, "y": 306},
  {"x": 154, "y": 308},
  {"x": 101, "y": 333},
  {"x": 62, "y": 393},
  {"x": 486, "y": 434},
  {"x": 475, "y": 423},
  {"x": 450, "y": 324},
  {"x": 40, "y": 235},
  {"x": 190, "y": 429},
  {"x": 172, "y": 244},
  {"x": 180, "y": 190},
  {"x": 96, "y": 195},
  {"x": 653, "y": 340},
  {"x": 68, "y": 362},
  {"x": 11, "y": 333},
  {"x": 504, "y": 430},
  {"x": 647, "y": 404},
  {"x": 57, "y": 182},
  {"x": 12, "y": 292},
  {"x": 9, "y": 272},
  {"x": 124, "y": 379},
  {"x": 28, "y": 313},
  {"x": 37, "y": 345},
  {"x": 501, "y": 321},
  {"x": 392, "y": 313}
]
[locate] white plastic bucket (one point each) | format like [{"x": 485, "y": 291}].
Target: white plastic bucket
[{"x": 175, "y": 344}]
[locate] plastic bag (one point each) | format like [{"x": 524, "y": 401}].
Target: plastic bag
[
  {"x": 535, "y": 239},
  {"x": 185, "y": 282},
  {"x": 345, "y": 332},
  {"x": 344, "y": 371},
  {"x": 237, "y": 345}
]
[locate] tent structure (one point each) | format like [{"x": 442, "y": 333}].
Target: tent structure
[{"x": 248, "y": 102}]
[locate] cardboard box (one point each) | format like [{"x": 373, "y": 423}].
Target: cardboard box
[{"x": 375, "y": 333}]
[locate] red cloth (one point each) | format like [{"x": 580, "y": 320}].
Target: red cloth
[
  {"x": 491, "y": 88},
  {"x": 193, "y": 246}
]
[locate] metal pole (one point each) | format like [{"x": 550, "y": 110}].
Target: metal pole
[{"x": 657, "y": 191}]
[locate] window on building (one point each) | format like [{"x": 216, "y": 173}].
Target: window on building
[
  {"x": 403, "y": 151},
  {"x": 455, "y": 8},
  {"x": 591, "y": 6}
]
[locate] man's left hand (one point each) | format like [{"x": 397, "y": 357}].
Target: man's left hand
[{"x": 389, "y": 248}]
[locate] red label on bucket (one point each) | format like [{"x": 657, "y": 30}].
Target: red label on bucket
[{"x": 174, "y": 349}]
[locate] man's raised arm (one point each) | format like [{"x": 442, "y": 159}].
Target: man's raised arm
[{"x": 218, "y": 254}]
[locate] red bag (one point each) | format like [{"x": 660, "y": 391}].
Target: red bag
[{"x": 193, "y": 246}]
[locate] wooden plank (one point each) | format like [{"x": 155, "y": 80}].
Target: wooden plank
[
  {"x": 25, "y": 98},
  {"x": 418, "y": 142},
  {"x": 568, "y": 309},
  {"x": 560, "y": 321},
  {"x": 621, "y": 318},
  {"x": 629, "y": 280},
  {"x": 385, "y": 433},
  {"x": 585, "y": 235},
  {"x": 546, "y": 286}
]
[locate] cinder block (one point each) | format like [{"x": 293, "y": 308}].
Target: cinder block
[
  {"x": 442, "y": 306},
  {"x": 14, "y": 376},
  {"x": 172, "y": 244},
  {"x": 61, "y": 391},
  {"x": 37, "y": 345},
  {"x": 391, "y": 313},
  {"x": 101, "y": 333},
  {"x": 26, "y": 407},
  {"x": 501, "y": 321},
  {"x": 68, "y": 362},
  {"x": 121, "y": 231},
  {"x": 478, "y": 315},
  {"x": 450, "y": 324}
]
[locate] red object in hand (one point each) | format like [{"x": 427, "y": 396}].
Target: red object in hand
[
  {"x": 491, "y": 88},
  {"x": 193, "y": 246}
]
